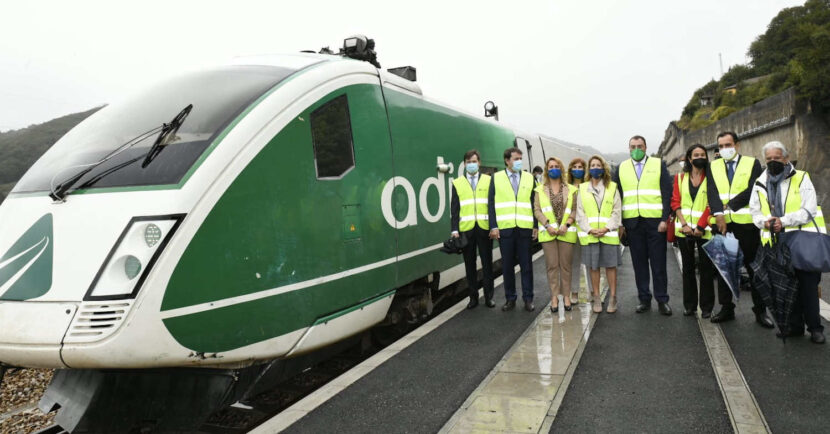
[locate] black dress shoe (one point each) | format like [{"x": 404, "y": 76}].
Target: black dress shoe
[
  {"x": 510, "y": 305},
  {"x": 706, "y": 314},
  {"x": 817, "y": 337},
  {"x": 664, "y": 309},
  {"x": 529, "y": 306},
  {"x": 763, "y": 320},
  {"x": 490, "y": 303},
  {"x": 723, "y": 316},
  {"x": 643, "y": 307},
  {"x": 554, "y": 309},
  {"x": 689, "y": 312},
  {"x": 473, "y": 303}
]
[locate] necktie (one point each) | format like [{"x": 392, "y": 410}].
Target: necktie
[
  {"x": 515, "y": 181},
  {"x": 473, "y": 182},
  {"x": 730, "y": 170},
  {"x": 639, "y": 169}
]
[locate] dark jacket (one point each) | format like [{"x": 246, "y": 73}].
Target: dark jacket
[
  {"x": 491, "y": 207},
  {"x": 739, "y": 201},
  {"x": 665, "y": 189}
]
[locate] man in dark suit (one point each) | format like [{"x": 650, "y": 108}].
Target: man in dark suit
[
  {"x": 646, "y": 189},
  {"x": 729, "y": 188},
  {"x": 510, "y": 204},
  {"x": 469, "y": 218}
]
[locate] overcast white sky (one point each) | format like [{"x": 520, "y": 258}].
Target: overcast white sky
[{"x": 593, "y": 73}]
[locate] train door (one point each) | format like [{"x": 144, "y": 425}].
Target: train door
[{"x": 533, "y": 155}]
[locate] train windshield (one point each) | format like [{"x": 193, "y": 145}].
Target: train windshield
[{"x": 218, "y": 97}]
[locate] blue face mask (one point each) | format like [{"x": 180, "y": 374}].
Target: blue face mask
[
  {"x": 555, "y": 173},
  {"x": 578, "y": 173},
  {"x": 597, "y": 173},
  {"x": 517, "y": 165},
  {"x": 472, "y": 168}
]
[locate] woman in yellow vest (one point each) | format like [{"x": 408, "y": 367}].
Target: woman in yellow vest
[
  {"x": 577, "y": 173},
  {"x": 690, "y": 203},
  {"x": 552, "y": 206},
  {"x": 599, "y": 216},
  {"x": 783, "y": 199}
]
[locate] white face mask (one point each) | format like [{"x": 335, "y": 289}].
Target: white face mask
[{"x": 728, "y": 153}]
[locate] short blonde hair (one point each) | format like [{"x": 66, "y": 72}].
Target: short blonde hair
[
  {"x": 606, "y": 176},
  {"x": 573, "y": 163}
]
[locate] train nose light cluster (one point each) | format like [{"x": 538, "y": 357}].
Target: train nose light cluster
[{"x": 132, "y": 257}]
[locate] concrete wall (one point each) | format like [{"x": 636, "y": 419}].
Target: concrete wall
[{"x": 781, "y": 117}]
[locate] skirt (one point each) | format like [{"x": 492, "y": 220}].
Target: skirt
[{"x": 599, "y": 255}]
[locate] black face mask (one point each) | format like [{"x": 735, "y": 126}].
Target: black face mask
[
  {"x": 775, "y": 167},
  {"x": 700, "y": 163}
]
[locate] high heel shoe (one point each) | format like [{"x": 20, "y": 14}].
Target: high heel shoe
[
  {"x": 554, "y": 309},
  {"x": 568, "y": 307}
]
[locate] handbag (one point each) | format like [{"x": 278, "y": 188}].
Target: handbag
[{"x": 810, "y": 251}]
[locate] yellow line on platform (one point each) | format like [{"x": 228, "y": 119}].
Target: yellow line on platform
[
  {"x": 744, "y": 413},
  {"x": 525, "y": 389}
]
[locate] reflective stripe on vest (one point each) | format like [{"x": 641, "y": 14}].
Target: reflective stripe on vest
[
  {"x": 692, "y": 211},
  {"x": 727, "y": 191},
  {"x": 641, "y": 197},
  {"x": 598, "y": 217},
  {"x": 513, "y": 210},
  {"x": 473, "y": 208},
  {"x": 547, "y": 210},
  {"x": 792, "y": 204}
]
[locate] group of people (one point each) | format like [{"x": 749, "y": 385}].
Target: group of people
[{"x": 582, "y": 213}]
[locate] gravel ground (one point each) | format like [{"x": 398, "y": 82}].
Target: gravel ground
[{"x": 21, "y": 389}]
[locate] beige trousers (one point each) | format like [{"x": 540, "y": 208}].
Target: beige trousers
[{"x": 558, "y": 258}]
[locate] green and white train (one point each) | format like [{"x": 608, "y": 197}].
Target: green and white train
[{"x": 299, "y": 200}]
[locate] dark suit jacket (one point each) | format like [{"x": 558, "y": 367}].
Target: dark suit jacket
[
  {"x": 491, "y": 207},
  {"x": 739, "y": 201},
  {"x": 666, "y": 189}
]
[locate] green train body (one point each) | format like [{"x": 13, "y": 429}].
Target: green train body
[{"x": 287, "y": 229}]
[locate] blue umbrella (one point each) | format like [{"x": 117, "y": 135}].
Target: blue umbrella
[{"x": 727, "y": 257}]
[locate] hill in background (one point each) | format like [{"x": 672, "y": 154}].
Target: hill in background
[
  {"x": 19, "y": 149},
  {"x": 793, "y": 52}
]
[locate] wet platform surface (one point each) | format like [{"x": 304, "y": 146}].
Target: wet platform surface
[{"x": 484, "y": 370}]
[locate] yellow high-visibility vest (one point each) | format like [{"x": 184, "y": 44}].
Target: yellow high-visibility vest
[
  {"x": 473, "y": 204},
  {"x": 598, "y": 216},
  {"x": 692, "y": 210},
  {"x": 727, "y": 190},
  {"x": 513, "y": 210},
  {"x": 792, "y": 204},
  {"x": 547, "y": 210},
  {"x": 641, "y": 197}
]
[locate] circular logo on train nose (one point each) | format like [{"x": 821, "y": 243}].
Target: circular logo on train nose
[{"x": 152, "y": 235}]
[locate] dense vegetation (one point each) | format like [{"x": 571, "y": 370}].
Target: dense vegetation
[
  {"x": 794, "y": 52},
  {"x": 19, "y": 149}
]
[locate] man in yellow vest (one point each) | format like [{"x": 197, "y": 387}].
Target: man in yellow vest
[
  {"x": 783, "y": 200},
  {"x": 469, "y": 218},
  {"x": 646, "y": 189},
  {"x": 512, "y": 222},
  {"x": 729, "y": 189}
]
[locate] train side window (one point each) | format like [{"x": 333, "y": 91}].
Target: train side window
[{"x": 331, "y": 134}]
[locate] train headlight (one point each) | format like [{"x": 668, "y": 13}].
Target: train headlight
[{"x": 132, "y": 257}]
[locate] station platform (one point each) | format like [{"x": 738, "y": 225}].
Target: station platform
[{"x": 484, "y": 370}]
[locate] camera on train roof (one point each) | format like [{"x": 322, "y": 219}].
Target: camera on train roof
[{"x": 359, "y": 47}]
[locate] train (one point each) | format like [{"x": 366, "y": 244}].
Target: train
[{"x": 226, "y": 218}]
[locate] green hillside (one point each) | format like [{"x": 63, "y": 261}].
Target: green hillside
[
  {"x": 19, "y": 149},
  {"x": 793, "y": 52}
]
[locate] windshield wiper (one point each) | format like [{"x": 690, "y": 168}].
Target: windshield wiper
[
  {"x": 59, "y": 192},
  {"x": 166, "y": 131}
]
